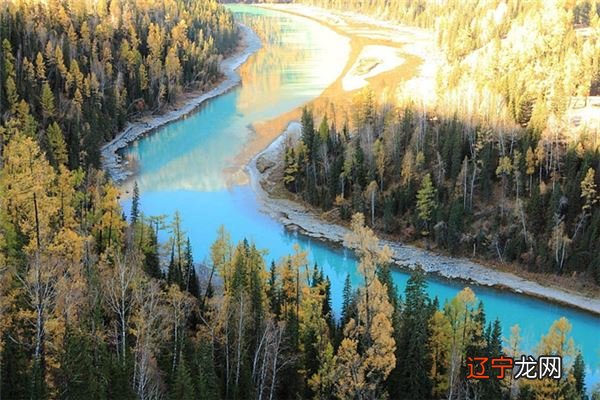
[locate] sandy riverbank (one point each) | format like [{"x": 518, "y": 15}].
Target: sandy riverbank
[
  {"x": 264, "y": 176},
  {"x": 404, "y": 66},
  {"x": 111, "y": 160}
]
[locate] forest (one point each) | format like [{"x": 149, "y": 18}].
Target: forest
[
  {"x": 92, "y": 306},
  {"x": 505, "y": 61},
  {"x": 495, "y": 170},
  {"x": 88, "y": 311},
  {"x": 75, "y": 71}
]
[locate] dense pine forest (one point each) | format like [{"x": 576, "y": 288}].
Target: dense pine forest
[
  {"x": 92, "y": 306},
  {"x": 497, "y": 169},
  {"x": 74, "y": 71},
  {"x": 89, "y": 312}
]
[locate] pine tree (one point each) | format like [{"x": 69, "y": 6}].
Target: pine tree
[
  {"x": 426, "y": 202},
  {"x": 414, "y": 363},
  {"x": 308, "y": 132},
  {"x": 191, "y": 278},
  {"x": 579, "y": 375},
  {"x": 273, "y": 294},
  {"x": 81, "y": 376},
  {"x": 135, "y": 204},
  {"x": 322, "y": 382},
  {"x": 172, "y": 272},
  {"x": 327, "y": 309},
  {"x": 493, "y": 388},
  {"x": 204, "y": 371},
  {"x": 58, "y": 148},
  {"x": 151, "y": 256},
  {"x": 348, "y": 310},
  {"x": 47, "y": 102}
]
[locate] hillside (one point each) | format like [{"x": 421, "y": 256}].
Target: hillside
[{"x": 495, "y": 169}]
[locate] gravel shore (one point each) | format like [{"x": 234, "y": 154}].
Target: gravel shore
[
  {"x": 263, "y": 175},
  {"x": 111, "y": 160}
]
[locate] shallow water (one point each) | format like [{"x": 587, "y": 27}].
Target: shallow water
[{"x": 180, "y": 168}]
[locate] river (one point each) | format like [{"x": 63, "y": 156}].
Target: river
[{"x": 180, "y": 167}]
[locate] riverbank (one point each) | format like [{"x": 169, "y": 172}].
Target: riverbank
[
  {"x": 412, "y": 70},
  {"x": 403, "y": 65},
  {"x": 265, "y": 176},
  {"x": 396, "y": 62},
  {"x": 112, "y": 161}
]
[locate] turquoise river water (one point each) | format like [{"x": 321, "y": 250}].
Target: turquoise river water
[{"x": 180, "y": 167}]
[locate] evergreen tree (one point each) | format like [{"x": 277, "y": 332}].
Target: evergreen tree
[
  {"x": 173, "y": 275},
  {"x": 327, "y": 309},
  {"x": 81, "y": 376},
  {"x": 191, "y": 278},
  {"x": 58, "y": 149},
  {"x": 348, "y": 311},
  {"x": 135, "y": 204},
  {"x": 205, "y": 375},
  {"x": 579, "y": 375},
  {"x": 426, "y": 203},
  {"x": 308, "y": 132},
  {"x": 413, "y": 362},
  {"x": 273, "y": 294},
  {"x": 183, "y": 386},
  {"x": 151, "y": 257}
]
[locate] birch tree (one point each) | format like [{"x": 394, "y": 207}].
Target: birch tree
[
  {"x": 460, "y": 312},
  {"x": 118, "y": 283},
  {"x": 148, "y": 325}
]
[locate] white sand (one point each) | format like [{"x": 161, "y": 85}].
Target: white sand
[
  {"x": 421, "y": 88},
  {"x": 383, "y": 58}
]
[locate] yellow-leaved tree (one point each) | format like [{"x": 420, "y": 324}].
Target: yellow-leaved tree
[
  {"x": 556, "y": 342},
  {"x": 366, "y": 355},
  {"x": 460, "y": 312},
  {"x": 39, "y": 204}
]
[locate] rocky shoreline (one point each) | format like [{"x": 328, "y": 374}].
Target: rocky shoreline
[
  {"x": 263, "y": 175},
  {"x": 111, "y": 160}
]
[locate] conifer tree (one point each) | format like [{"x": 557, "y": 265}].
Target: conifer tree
[
  {"x": 413, "y": 362},
  {"x": 373, "y": 326},
  {"x": 273, "y": 294},
  {"x": 135, "y": 204},
  {"x": 58, "y": 148},
  {"x": 579, "y": 375},
  {"x": 183, "y": 387},
  {"x": 151, "y": 256},
  {"x": 426, "y": 203},
  {"x": 47, "y": 102},
  {"x": 348, "y": 311}
]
